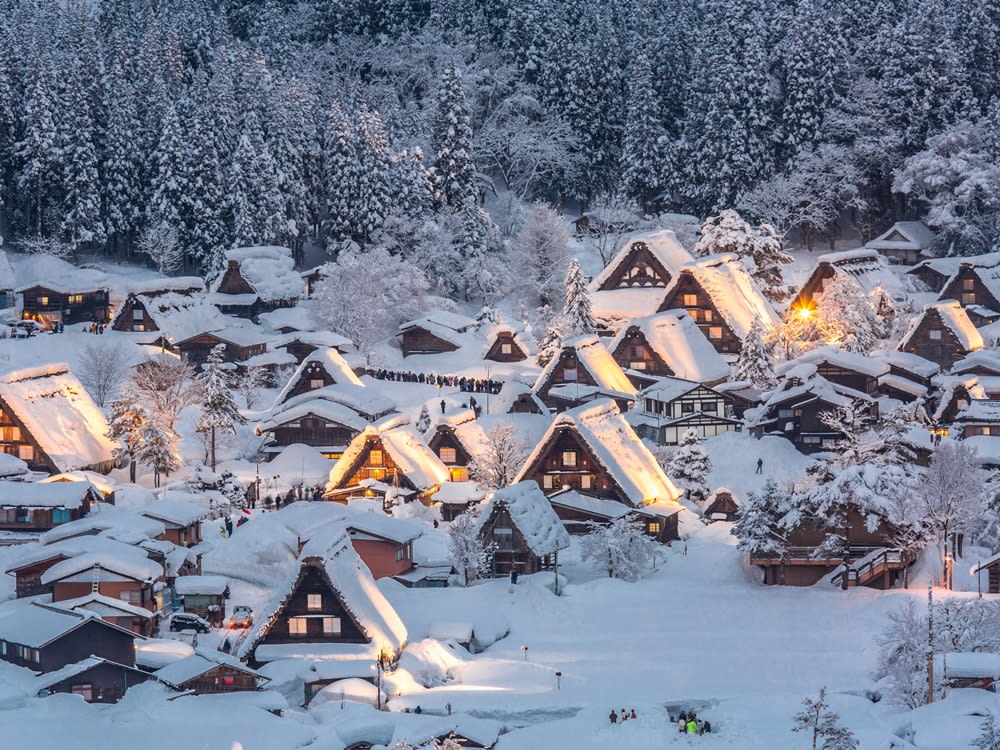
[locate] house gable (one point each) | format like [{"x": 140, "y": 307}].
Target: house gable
[
  {"x": 372, "y": 462},
  {"x": 133, "y": 316},
  {"x": 505, "y": 348},
  {"x": 933, "y": 340},
  {"x": 635, "y": 353},
  {"x": 447, "y": 446},
  {"x": 688, "y": 294},
  {"x": 232, "y": 281},
  {"x": 418, "y": 340},
  {"x": 967, "y": 286},
  {"x": 567, "y": 461},
  {"x": 639, "y": 268}
]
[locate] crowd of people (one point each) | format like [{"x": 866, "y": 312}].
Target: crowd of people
[
  {"x": 469, "y": 385},
  {"x": 625, "y": 715},
  {"x": 689, "y": 723}
]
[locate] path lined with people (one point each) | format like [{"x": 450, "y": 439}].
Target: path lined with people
[{"x": 463, "y": 383}]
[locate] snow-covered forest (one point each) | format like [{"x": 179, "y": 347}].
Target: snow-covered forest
[{"x": 390, "y": 123}]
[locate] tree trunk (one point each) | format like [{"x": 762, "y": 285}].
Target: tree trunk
[
  {"x": 213, "y": 450},
  {"x": 131, "y": 470}
]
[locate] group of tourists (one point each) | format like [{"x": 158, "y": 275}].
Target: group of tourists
[
  {"x": 689, "y": 723},
  {"x": 614, "y": 717},
  {"x": 469, "y": 385}
]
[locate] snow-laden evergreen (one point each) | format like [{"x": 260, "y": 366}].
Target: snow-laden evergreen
[
  {"x": 577, "y": 316},
  {"x": 620, "y": 549},
  {"x": 219, "y": 411},
  {"x": 754, "y": 364},
  {"x": 690, "y": 465}
]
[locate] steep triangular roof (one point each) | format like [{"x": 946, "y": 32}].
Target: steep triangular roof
[
  {"x": 322, "y": 361},
  {"x": 615, "y": 447},
  {"x": 268, "y": 271},
  {"x": 953, "y": 317},
  {"x": 595, "y": 359},
  {"x": 660, "y": 249},
  {"x": 532, "y": 515},
  {"x": 904, "y": 235},
  {"x": 350, "y": 581},
  {"x": 417, "y": 463},
  {"x": 676, "y": 340}
]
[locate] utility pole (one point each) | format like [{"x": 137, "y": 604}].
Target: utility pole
[{"x": 930, "y": 643}]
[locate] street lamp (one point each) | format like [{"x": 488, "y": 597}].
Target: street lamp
[
  {"x": 558, "y": 680},
  {"x": 381, "y": 665},
  {"x": 948, "y": 562},
  {"x": 524, "y": 652}
]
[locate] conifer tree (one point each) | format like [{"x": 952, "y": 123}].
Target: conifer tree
[
  {"x": 577, "y": 310},
  {"x": 754, "y": 364},
  {"x": 375, "y": 194},
  {"x": 341, "y": 175},
  {"x": 126, "y": 417},
  {"x": 157, "y": 449},
  {"x": 818, "y": 720},
  {"x": 539, "y": 254},
  {"x": 451, "y": 139},
  {"x": 219, "y": 412},
  {"x": 81, "y": 189},
  {"x": 121, "y": 164},
  {"x": 38, "y": 149},
  {"x": 643, "y": 142},
  {"x": 989, "y": 737},
  {"x": 168, "y": 178},
  {"x": 690, "y": 465},
  {"x": 760, "y": 520}
]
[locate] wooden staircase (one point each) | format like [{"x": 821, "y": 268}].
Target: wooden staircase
[{"x": 879, "y": 563}]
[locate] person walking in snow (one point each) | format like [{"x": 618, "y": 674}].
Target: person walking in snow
[
  {"x": 760, "y": 466},
  {"x": 633, "y": 714},
  {"x": 692, "y": 726},
  {"x": 613, "y": 717},
  {"x": 229, "y": 526},
  {"x": 442, "y": 406},
  {"x": 624, "y": 716}
]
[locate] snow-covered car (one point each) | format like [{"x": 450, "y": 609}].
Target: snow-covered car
[
  {"x": 242, "y": 617},
  {"x": 23, "y": 329},
  {"x": 188, "y": 621}
]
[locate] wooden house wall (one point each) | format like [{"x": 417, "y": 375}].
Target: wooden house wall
[
  {"x": 314, "y": 431},
  {"x": 299, "y": 350},
  {"x": 197, "y": 349},
  {"x": 807, "y": 432},
  {"x": 634, "y": 353},
  {"x": 16, "y": 440},
  {"x": 511, "y": 552},
  {"x": 221, "y": 679},
  {"x": 28, "y": 579},
  {"x": 704, "y": 425},
  {"x": 309, "y": 380},
  {"x": 514, "y": 354},
  {"x": 524, "y": 404},
  {"x": 566, "y": 370},
  {"x": 444, "y": 438},
  {"x": 312, "y": 582},
  {"x": 945, "y": 351},
  {"x": 813, "y": 286},
  {"x": 81, "y": 307},
  {"x": 182, "y": 536},
  {"x": 107, "y": 682},
  {"x": 639, "y": 268},
  {"x": 859, "y": 381},
  {"x": 934, "y": 280},
  {"x": 16, "y": 518},
  {"x": 723, "y": 503},
  {"x": 143, "y": 592},
  {"x": 384, "y": 558},
  {"x": 421, "y": 341},
  {"x": 233, "y": 282},
  {"x": 369, "y": 468},
  {"x": 968, "y": 289},
  {"x": 587, "y": 476},
  {"x": 127, "y": 318},
  {"x": 211, "y": 607},
  {"x": 93, "y": 638},
  {"x": 704, "y": 313}
]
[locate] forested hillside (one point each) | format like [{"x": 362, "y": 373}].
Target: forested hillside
[{"x": 392, "y": 123}]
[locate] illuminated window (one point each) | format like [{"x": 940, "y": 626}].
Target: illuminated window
[
  {"x": 375, "y": 458},
  {"x": 74, "y": 299},
  {"x": 43, "y": 301},
  {"x": 297, "y": 625},
  {"x": 690, "y": 300},
  {"x": 569, "y": 458},
  {"x": 547, "y": 482},
  {"x": 715, "y": 332},
  {"x": 314, "y": 602},
  {"x": 585, "y": 482},
  {"x": 569, "y": 374},
  {"x": 331, "y": 626},
  {"x": 26, "y": 452},
  {"x": 10, "y": 434},
  {"x": 934, "y": 334},
  {"x": 637, "y": 365},
  {"x": 447, "y": 455},
  {"x": 654, "y": 527},
  {"x": 968, "y": 298},
  {"x": 315, "y": 383},
  {"x": 706, "y": 315},
  {"x": 505, "y": 348},
  {"x": 968, "y": 284}
]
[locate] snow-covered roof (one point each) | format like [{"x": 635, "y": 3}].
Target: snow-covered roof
[
  {"x": 616, "y": 447},
  {"x": 35, "y": 625},
  {"x": 207, "y": 585},
  {"x": 418, "y": 730},
  {"x": 111, "y": 522},
  {"x": 405, "y": 447},
  {"x": 987, "y": 359},
  {"x": 663, "y": 246},
  {"x": 443, "y": 319},
  {"x": 953, "y": 317},
  {"x": 270, "y": 270},
  {"x": 124, "y": 560},
  {"x": 60, "y": 415},
  {"x": 399, "y": 530},
  {"x": 509, "y": 393},
  {"x": 596, "y": 506},
  {"x": 837, "y": 357},
  {"x": 979, "y": 410},
  {"x": 596, "y": 360},
  {"x": 180, "y": 316},
  {"x": 522, "y": 337},
  {"x": 532, "y": 514},
  {"x": 184, "y": 670},
  {"x": 668, "y": 389},
  {"x": 458, "y": 492},
  {"x": 164, "y": 284},
  {"x": 319, "y": 339},
  {"x": 675, "y": 338},
  {"x": 337, "y": 561},
  {"x": 58, "y": 275},
  {"x": 59, "y": 495},
  {"x": 104, "y": 606},
  {"x": 175, "y": 512},
  {"x": 733, "y": 292},
  {"x": 332, "y": 363},
  {"x": 12, "y": 466},
  {"x": 331, "y": 411},
  {"x": 909, "y": 362},
  {"x": 370, "y": 403},
  {"x": 904, "y": 235},
  {"x": 949, "y": 266},
  {"x": 967, "y": 664}
]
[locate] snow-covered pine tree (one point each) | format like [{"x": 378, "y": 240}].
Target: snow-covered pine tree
[
  {"x": 989, "y": 736},
  {"x": 255, "y": 206},
  {"x": 621, "y": 549},
  {"x": 375, "y": 187},
  {"x": 754, "y": 364},
  {"x": 818, "y": 720},
  {"x": 902, "y": 659},
  {"x": 203, "y": 232},
  {"x": 471, "y": 558},
  {"x": 219, "y": 412},
  {"x": 643, "y": 140},
  {"x": 250, "y": 381},
  {"x": 168, "y": 184},
  {"x": 157, "y": 449},
  {"x": 758, "y": 248},
  {"x": 551, "y": 342},
  {"x": 126, "y": 417},
  {"x": 159, "y": 241},
  {"x": 341, "y": 170},
  {"x": 690, "y": 465},
  {"x": 577, "y": 310},
  {"x": 38, "y": 149},
  {"x": 423, "y": 420},
  {"x": 760, "y": 520},
  {"x": 539, "y": 255},
  {"x": 451, "y": 140},
  {"x": 845, "y": 316},
  {"x": 121, "y": 163}
]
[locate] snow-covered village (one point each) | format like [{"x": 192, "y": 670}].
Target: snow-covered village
[{"x": 501, "y": 374}]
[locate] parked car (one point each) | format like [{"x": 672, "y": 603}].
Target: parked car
[
  {"x": 188, "y": 621},
  {"x": 23, "y": 329},
  {"x": 242, "y": 617}
]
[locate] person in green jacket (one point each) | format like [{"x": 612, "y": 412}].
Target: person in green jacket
[{"x": 692, "y": 726}]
